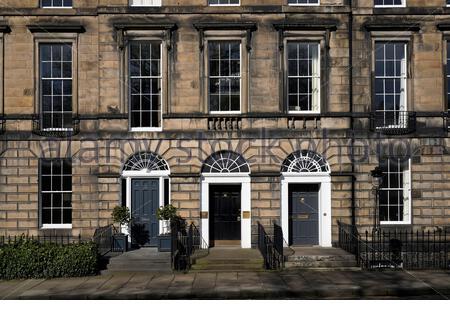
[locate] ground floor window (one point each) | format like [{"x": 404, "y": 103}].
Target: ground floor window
[
  {"x": 56, "y": 192},
  {"x": 395, "y": 191}
]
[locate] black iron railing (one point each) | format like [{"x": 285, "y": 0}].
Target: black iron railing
[
  {"x": 403, "y": 249},
  {"x": 393, "y": 122},
  {"x": 61, "y": 239},
  {"x": 185, "y": 242},
  {"x": 41, "y": 126},
  {"x": 2, "y": 125},
  {"x": 271, "y": 247},
  {"x": 104, "y": 238},
  {"x": 447, "y": 121}
]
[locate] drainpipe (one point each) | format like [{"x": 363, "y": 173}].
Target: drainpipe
[{"x": 350, "y": 48}]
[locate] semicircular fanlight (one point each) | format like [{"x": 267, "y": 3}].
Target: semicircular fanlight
[
  {"x": 305, "y": 161},
  {"x": 147, "y": 161},
  {"x": 226, "y": 162}
]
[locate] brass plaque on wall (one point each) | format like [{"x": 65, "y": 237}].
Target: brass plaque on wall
[
  {"x": 246, "y": 214},
  {"x": 204, "y": 214}
]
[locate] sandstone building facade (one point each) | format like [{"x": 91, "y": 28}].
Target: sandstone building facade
[{"x": 235, "y": 112}]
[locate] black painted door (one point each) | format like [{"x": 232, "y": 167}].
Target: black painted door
[
  {"x": 225, "y": 212},
  {"x": 144, "y": 203},
  {"x": 304, "y": 214}
]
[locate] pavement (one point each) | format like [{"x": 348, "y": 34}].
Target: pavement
[{"x": 293, "y": 284}]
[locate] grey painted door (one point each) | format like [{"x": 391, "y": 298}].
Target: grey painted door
[
  {"x": 304, "y": 214},
  {"x": 144, "y": 203}
]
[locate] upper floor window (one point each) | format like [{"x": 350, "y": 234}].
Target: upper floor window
[
  {"x": 395, "y": 191},
  {"x": 303, "y": 2},
  {"x": 224, "y": 2},
  {"x": 56, "y": 3},
  {"x": 145, "y": 3},
  {"x": 390, "y": 3},
  {"x": 55, "y": 75},
  {"x": 55, "y": 182},
  {"x": 303, "y": 76},
  {"x": 390, "y": 84},
  {"x": 145, "y": 83},
  {"x": 224, "y": 78}
]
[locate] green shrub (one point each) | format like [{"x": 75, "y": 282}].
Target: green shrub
[{"x": 27, "y": 259}]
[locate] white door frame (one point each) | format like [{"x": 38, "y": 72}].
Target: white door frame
[
  {"x": 144, "y": 174},
  {"x": 324, "y": 182},
  {"x": 223, "y": 179}
]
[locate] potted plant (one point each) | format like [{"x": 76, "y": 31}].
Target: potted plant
[
  {"x": 122, "y": 216},
  {"x": 166, "y": 215}
]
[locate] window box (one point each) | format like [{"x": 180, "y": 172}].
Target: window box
[
  {"x": 393, "y": 122},
  {"x": 40, "y": 130}
]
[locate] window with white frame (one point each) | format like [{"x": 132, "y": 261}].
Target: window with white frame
[
  {"x": 389, "y": 3},
  {"x": 395, "y": 191},
  {"x": 390, "y": 83},
  {"x": 56, "y": 192},
  {"x": 56, "y": 3},
  {"x": 224, "y": 60},
  {"x": 55, "y": 85},
  {"x": 145, "y": 83},
  {"x": 145, "y": 3},
  {"x": 224, "y": 2},
  {"x": 303, "y": 2},
  {"x": 303, "y": 76}
]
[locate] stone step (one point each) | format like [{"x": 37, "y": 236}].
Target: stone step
[
  {"x": 140, "y": 264},
  {"x": 325, "y": 268},
  {"x": 348, "y": 257},
  {"x": 237, "y": 261},
  {"x": 228, "y": 267},
  {"x": 319, "y": 264}
]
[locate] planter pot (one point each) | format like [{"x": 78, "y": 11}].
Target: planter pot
[
  {"x": 164, "y": 243},
  {"x": 120, "y": 242}
]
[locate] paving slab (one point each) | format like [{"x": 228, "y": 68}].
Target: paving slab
[
  {"x": 237, "y": 285},
  {"x": 204, "y": 281}
]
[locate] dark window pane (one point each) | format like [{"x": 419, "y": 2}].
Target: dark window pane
[
  {"x": 293, "y": 68},
  {"x": 135, "y": 85},
  {"x": 145, "y": 50},
  {"x": 145, "y": 68},
  {"x": 156, "y": 119},
  {"x": 57, "y": 87},
  {"x": 46, "y": 70},
  {"x": 46, "y": 87},
  {"x": 67, "y": 70},
  {"x": 155, "y": 69},
  {"x": 293, "y": 85},
  {"x": 146, "y": 119},
  {"x": 214, "y": 102},
  {"x": 56, "y": 183},
  {"x": 135, "y": 119},
  {"x": 135, "y": 68},
  {"x": 46, "y": 216},
  {"x": 46, "y": 200},
  {"x": 235, "y": 102},
  {"x": 67, "y": 216},
  {"x": 57, "y": 215},
  {"x": 67, "y": 200},
  {"x": 67, "y": 52},
  {"x": 156, "y": 51}
]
